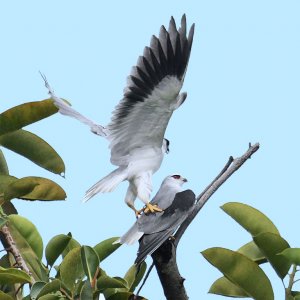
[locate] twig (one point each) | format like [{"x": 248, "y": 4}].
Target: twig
[
  {"x": 288, "y": 290},
  {"x": 145, "y": 279},
  {"x": 11, "y": 247},
  {"x": 231, "y": 167}
]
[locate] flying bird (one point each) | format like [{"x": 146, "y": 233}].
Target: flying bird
[
  {"x": 139, "y": 121},
  {"x": 153, "y": 229}
]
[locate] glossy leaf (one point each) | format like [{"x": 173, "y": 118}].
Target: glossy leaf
[
  {"x": 21, "y": 226},
  {"x": 12, "y": 276},
  {"x": 120, "y": 296},
  {"x": 225, "y": 287},
  {"x": 253, "y": 252},
  {"x": 50, "y": 287},
  {"x": 132, "y": 278},
  {"x": 29, "y": 243},
  {"x": 254, "y": 221},
  {"x": 56, "y": 246},
  {"x": 45, "y": 189},
  {"x": 105, "y": 282},
  {"x": 6, "y": 180},
  {"x": 90, "y": 262},
  {"x": 292, "y": 254},
  {"x": 19, "y": 188},
  {"x": 242, "y": 271},
  {"x": 4, "y": 296},
  {"x": 86, "y": 291},
  {"x": 71, "y": 245},
  {"x": 71, "y": 268},
  {"x": 33, "y": 148},
  {"x": 2, "y": 222},
  {"x": 25, "y": 114},
  {"x": 9, "y": 208},
  {"x": 271, "y": 244},
  {"x": 3, "y": 164},
  {"x": 139, "y": 276},
  {"x": 106, "y": 247},
  {"x": 36, "y": 288},
  {"x": 52, "y": 297}
]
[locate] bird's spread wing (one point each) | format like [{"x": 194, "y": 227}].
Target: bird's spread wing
[
  {"x": 151, "y": 95},
  {"x": 67, "y": 110},
  {"x": 165, "y": 224}
]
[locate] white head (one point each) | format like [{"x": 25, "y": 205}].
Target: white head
[{"x": 175, "y": 180}]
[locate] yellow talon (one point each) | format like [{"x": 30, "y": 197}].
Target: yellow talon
[{"x": 151, "y": 208}]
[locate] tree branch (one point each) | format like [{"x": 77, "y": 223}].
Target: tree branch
[
  {"x": 164, "y": 257},
  {"x": 10, "y": 246},
  {"x": 232, "y": 166}
]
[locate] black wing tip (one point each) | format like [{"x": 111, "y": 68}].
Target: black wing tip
[{"x": 168, "y": 55}]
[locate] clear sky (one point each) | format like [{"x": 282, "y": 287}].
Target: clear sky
[{"x": 242, "y": 85}]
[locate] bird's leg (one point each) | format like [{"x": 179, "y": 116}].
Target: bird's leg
[
  {"x": 151, "y": 208},
  {"x": 136, "y": 212}
]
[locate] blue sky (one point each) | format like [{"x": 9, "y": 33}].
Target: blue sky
[{"x": 242, "y": 85}]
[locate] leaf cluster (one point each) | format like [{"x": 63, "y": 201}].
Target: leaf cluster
[
  {"x": 243, "y": 276},
  {"x": 72, "y": 270}
]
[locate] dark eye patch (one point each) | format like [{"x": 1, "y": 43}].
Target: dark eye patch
[{"x": 176, "y": 176}]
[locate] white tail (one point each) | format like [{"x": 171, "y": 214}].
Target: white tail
[
  {"x": 107, "y": 184},
  {"x": 131, "y": 236}
]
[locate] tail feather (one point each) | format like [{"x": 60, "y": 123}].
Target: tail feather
[
  {"x": 131, "y": 236},
  {"x": 106, "y": 184}
]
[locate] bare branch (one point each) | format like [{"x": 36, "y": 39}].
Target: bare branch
[
  {"x": 232, "y": 166},
  {"x": 11, "y": 247}
]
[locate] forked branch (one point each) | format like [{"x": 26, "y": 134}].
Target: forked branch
[{"x": 164, "y": 258}]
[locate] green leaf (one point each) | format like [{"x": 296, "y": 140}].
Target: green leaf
[
  {"x": 12, "y": 276},
  {"x": 19, "y": 188},
  {"x": 71, "y": 245},
  {"x": 6, "y": 180},
  {"x": 56, "y": 246},
  {"x": 9, "y": 209},
  {"x": 34, "y": 188},
  {"x": 50, "y": 287},
  {"x": 29, "y": 243},
  {"x": 242, "y": 271},
  {"x": 27, "y": 230},
  {"x": 254, "y": 221},
  {"x": 3, "y": 164},
  {"x": 36, "y": 288},
  {"x": 4, "y": 296},
  {"x": 225, "y": 287},
  {"x": 25, "y": 114},
  {"x": 90, "y": 262},
  {"x": 52, "y": 297},
  {"x": 132, "y": 278},
  {"x": 139, "y": 276},
  {"x": 106, "y": 247},
  {"x": 271, "y": 244},
  {"x": 86, "y": 291},
  {"x": 71, "y": 269},
  {"x": 253, "y": 252},
  {"x": 120, "y": 296},
  {"x": 292, "y": 255},
  {"x": 2, "y": 221},
  {"x": 105, "y": 282},
  {"x": 33, "y": 148}
]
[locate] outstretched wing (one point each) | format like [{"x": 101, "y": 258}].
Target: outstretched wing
[
  {"x": 164, "y": 225},
  {"x": 151, "y": 95}
]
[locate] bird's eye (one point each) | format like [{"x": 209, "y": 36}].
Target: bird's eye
[{"x": 176, "y": 176}]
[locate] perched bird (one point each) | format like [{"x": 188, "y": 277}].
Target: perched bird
[
  {"x": 139, "y": 121},
  {"x": 153, "y": 229}
]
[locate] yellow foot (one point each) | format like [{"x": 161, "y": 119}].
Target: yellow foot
[{"x": 151, "y": 208}]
